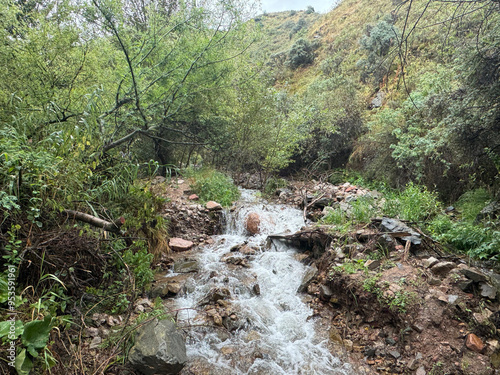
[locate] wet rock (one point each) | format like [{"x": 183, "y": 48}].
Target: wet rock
[
  {"x": 235, "y": 260},
  {"x": 487, "y": 291},
  {"x": 252, "y": 223},
  {"x": 193, "y": 197},
  {"x": 252, "y": 336},
  {"x": 159, "y": 348},
  {"x": 169, "y": 286},
  {"x": 226, "y": 350},
  {"x": 256, "y": 289},
  {"x": 174, "y": 288},
  {"x": 233, "y": 323},
  {"x": 186, "y": 266},
  {"x": 214, "y": 295},
  {"x": 217, "y": 320},
  {"x": 443, "y": 268},
  {"x": 335, "y": 336},
  {"x": 213, "y": 206},
  {"x": 300, "y": 257},
  {"x": 473, "y": 275},
  {"x": 179, "y": 244},
  {"x": 474, "y": 343},
  {"x": 247, "y": 250},
  {"x": 308, "y": 277}
]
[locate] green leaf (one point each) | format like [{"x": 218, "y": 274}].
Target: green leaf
[
  {"x": 5, "y": 328},
  {"x": 36, "y": 333},
  {"x": 4, "y": 292},
  {"x": 23, "y": 363}
]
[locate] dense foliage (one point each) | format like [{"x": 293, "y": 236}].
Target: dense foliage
[{"x": 97, "y": 97}]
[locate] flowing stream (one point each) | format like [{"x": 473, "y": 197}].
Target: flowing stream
[{"x": 274, "y": 333}]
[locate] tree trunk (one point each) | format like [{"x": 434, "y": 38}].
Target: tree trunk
[{"x": 95, "y": 221}]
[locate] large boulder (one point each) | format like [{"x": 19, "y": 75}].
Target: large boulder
[
  {"x": 159, "y": 349},
  {"x": 178, "y": 244},
  {"x": 252, "y": 223}
]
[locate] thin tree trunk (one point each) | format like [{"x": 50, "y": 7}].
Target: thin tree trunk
[{"x": 95, "y": 221}]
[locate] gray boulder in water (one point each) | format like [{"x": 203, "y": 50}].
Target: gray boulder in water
[{"x": 159, "y": 349}]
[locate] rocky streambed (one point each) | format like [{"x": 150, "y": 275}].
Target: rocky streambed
[{"x": 416, "y": 310}]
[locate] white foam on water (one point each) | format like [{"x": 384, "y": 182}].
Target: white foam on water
[{"x": 286, "y": 342}]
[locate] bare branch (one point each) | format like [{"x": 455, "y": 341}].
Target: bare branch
[{"x": 95, "y": 221}]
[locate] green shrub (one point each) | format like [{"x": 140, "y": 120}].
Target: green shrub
[
  {"x": 211, "y": 185},
  {"x": 363, "y": 210},
  {"x": 138, "y": 259},
  {"x": 335, "y": 217},
  {"x": 415, "y": 203},
  {"x": 301, "y": 53},
  {"x": 472, "y": 202}
]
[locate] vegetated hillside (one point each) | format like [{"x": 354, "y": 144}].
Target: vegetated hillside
[
  {"x": 281, "y": 29},
  {"x": 418, "y": 85}
]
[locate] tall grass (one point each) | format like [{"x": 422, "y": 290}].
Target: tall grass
[
  {"x": 211, "y": 185},
  {"x": 415, "y": 204}
]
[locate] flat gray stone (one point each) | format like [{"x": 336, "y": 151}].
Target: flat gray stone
[
  {"x": 473, "y": 275},
  {"x": 487, "y": 291}
]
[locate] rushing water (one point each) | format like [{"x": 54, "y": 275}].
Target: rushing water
[{"x": 278, "y": 336}]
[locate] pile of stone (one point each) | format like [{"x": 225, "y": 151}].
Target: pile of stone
[
  {"x": 219, "y": 310},
  {"x": 190, "y": 220}
]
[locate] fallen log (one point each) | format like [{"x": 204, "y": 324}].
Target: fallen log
[{"x": 110, "y": 226}]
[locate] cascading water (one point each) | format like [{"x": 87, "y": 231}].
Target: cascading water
[{"x": 275, "y": 334}]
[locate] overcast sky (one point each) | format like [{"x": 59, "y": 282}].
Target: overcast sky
[{"x": 321, "y": 6}]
